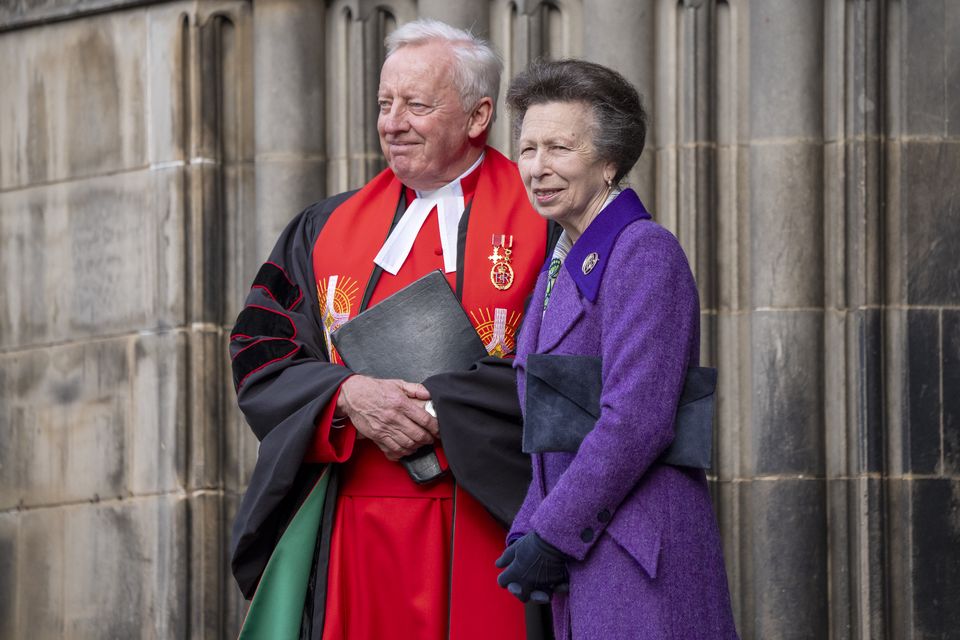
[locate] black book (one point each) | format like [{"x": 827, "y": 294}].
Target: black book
[
  {"x": 417, "y": 332},
  {"x": 563, "y": 404}
]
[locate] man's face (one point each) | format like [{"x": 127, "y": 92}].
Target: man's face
[{"x": 424, "y": 130}]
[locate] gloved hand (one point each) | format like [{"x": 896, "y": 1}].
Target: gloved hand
[{"x": 533, "y": 569}]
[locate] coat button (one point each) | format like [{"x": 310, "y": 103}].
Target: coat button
[
  {"x": 586, "y": 535},
  {"x": 604, "y": 516}
]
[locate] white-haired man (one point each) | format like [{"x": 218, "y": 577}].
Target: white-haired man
[{"x": 393, "y": 558}]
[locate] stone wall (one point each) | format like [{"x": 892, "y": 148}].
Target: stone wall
[
  {"x": 126, "y": 172},
  {"x": 805, "y": 153}
]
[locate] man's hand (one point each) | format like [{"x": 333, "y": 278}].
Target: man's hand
[{"x": 389, "y": 412}]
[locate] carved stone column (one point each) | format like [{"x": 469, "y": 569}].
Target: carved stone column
[
  {"x": 921, "y": 325},
  {"x": 782, "y": 489},
  {"x": 631, "y": 26},
  {"x": 853, "y": 124},
  {"x": 466, "y": 15},
  {"x": 526, "y": 30},
  {"x": 288, "y": 100}
]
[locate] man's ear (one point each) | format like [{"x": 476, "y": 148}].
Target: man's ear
[{"x": 480, "y": 118}]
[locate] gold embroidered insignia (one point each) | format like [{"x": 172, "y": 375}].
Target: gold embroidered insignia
[
  {"x": 499, "y": 331},
  {"x": 590, "y": 262},
  {"x": 337, "y": 296},
  {"x": 501, "y": 273}
]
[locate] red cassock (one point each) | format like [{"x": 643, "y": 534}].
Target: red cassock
[{"x": 406, "y": 560}]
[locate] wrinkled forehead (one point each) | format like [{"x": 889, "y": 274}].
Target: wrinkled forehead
[
  {"x": 569, "y": 119},
  {"x": 428, "y": 65}
]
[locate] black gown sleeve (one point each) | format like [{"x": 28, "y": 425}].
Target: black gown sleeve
[
  {"x": 284, "y": 381},
  {"x": 481, "y": 429}
]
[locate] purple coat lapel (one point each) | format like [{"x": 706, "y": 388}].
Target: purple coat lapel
[
  {"x": 562, "y": 314},
  {"x": 598, "y": 240}
]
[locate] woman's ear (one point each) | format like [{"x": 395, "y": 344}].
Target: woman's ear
[
  {"x": 609, "y": 173},
  {"x": 480, "y": 118}
]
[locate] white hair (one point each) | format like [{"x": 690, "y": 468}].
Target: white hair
[{"x": 476, "y": 67}]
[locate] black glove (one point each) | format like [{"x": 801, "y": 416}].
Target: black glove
[{"x": 533, "y": 569}]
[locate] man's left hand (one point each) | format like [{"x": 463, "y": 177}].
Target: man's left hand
[{"x": 388, "y": 412}]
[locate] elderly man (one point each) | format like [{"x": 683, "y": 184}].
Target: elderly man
[{"x": 393, "y": 559}]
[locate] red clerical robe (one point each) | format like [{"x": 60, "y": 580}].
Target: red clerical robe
[{"x": 403, "y": 560}]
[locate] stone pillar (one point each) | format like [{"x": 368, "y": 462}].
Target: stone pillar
[
  {"x": 921, "y": 326},
  {"x": 724, "y": 336},
  {"x": 528, "y": 30},
  {"x": 683, "y": 131},
  {"x": 782, "y": 493},
  {"x": 288, "y": 100},
  {"x": 466, "y": 15},
  {"x": 631, "y": 26},
  {"x": 355, "y": 33},
  {"x": 853, "y": 125},
  {"x": 506, "y": 38}
]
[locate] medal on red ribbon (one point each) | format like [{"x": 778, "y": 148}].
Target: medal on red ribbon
[{"x": 501, "y": 273}]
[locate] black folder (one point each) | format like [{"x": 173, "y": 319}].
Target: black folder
[
  {"x": 563, "y": 404},
  {"x": 417, "y": 332}
]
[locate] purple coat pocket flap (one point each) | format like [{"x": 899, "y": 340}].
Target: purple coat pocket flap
[{"x": 638, "y": 532}]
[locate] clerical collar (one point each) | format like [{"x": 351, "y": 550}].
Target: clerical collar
[{"x": 449, "y": 202}]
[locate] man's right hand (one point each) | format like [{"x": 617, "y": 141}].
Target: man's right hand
[{"x": 389, "y": 412}]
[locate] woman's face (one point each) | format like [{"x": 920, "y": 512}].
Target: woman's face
[{"x": 565, "y": 179}]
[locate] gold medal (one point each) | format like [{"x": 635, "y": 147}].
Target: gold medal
[{"x": 501, "y": 273}]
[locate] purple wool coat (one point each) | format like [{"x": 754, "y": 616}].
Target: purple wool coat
[{"x": 643, "y": 535}]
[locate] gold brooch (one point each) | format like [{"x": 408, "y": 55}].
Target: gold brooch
[
  {"x": 590, "y": 262},
  {"x": 501, "y": 273}
]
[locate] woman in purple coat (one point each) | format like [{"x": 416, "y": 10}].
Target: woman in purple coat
[{"x": 624, "y": 546}]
